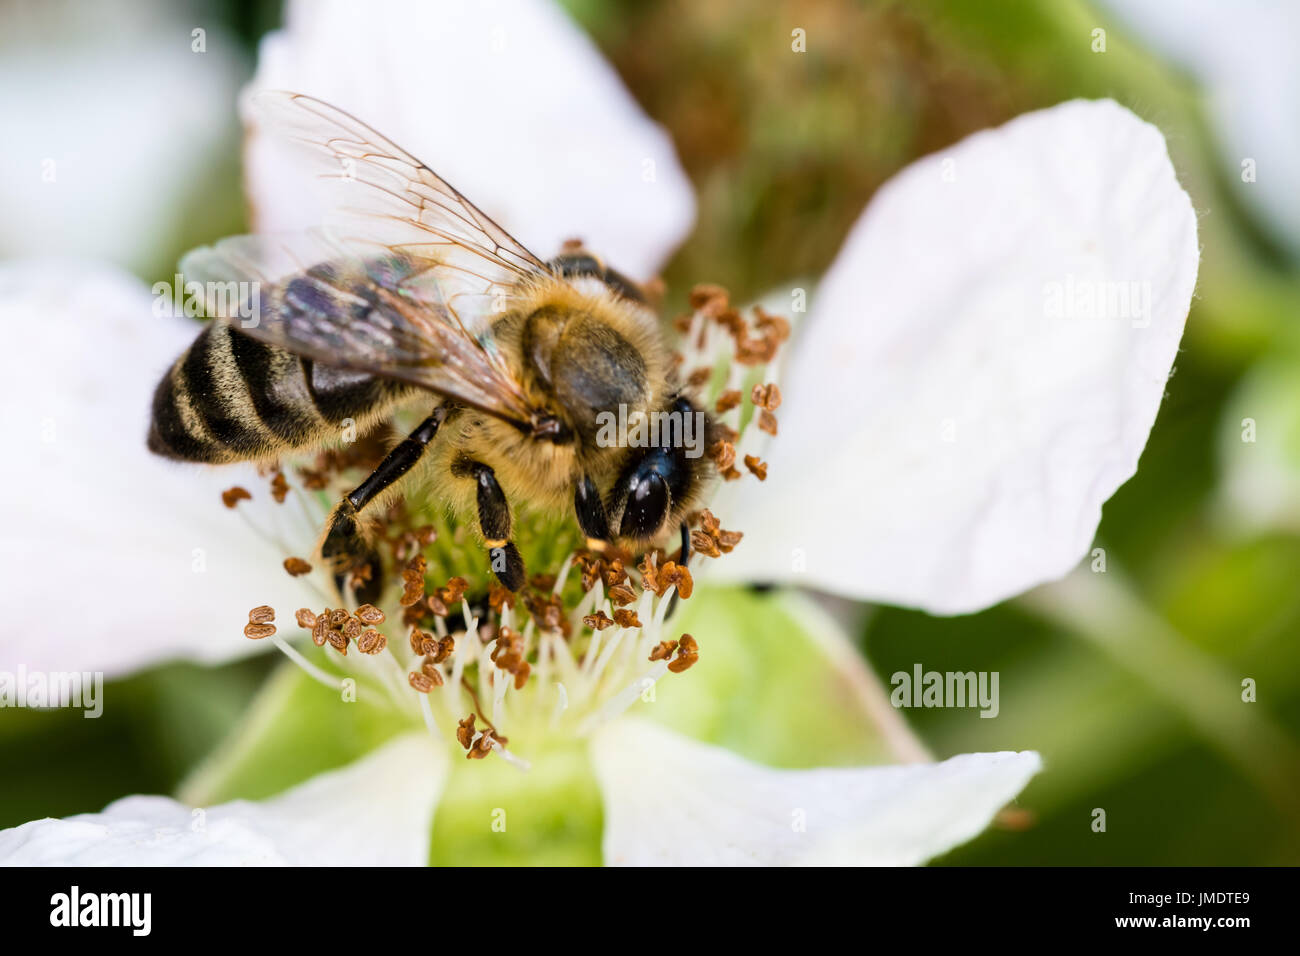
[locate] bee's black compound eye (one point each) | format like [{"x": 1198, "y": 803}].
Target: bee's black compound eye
[{"x": 647, "y": 505}]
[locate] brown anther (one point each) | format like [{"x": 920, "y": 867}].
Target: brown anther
[
  {"x": 412, "y": 588},
  {"x": 297, "y": 567},
  {"x": 500, "y": 596},
  {"x": 705, "y": 544},
  {"x": 436, "y": 605},
  {"x": 352, "y": 629},
  {"x": 337, "y": 641},
  {"x": 465, "y": 732},
  {"x": 649, "y": 568},
  {"x": 321, "y": 629},
  {"x": 711, "y": 540},
  {"x": 756, "y": 466},
  {"x": 663, "y": 650},
  {"x": 279, "y": 488},
  {"x": 262, "y": 614},
  {"x": 258, "y": 631},
  {"x": 767, "y": 422},
  {"x": 521, "y": 675},
  {"x": 729, "y": 539},
  {"x": 723, "y": 454},
  {"x": 542, "y": 582},
  {"x": 420, "y": 681},
  {"x": 453, "y": 592},
  {"x": 621, "y": 594},
  {"x": 446, "y": 647},
  {"x": 305, "y": 617},
  {"x": 625, "y": 618},
  {"x": 727, "y": 401},
  {"x": 613, "y": 573},
  {"x": 725, "y": 433},
  {"x": 688, "y": 652},
  {"x": 700, "y": 376},
  {"x": 775, "y": 327},
  {"x": 756, "y": 351},
  {"x": 709, "y": 299},
  {"x": 766, "y": 397},
  {"x": 598, "y": 621},
  {"x": 338, "y": 617},
  {"x": 312, "y": 479},
  {"x": 233, "y": 496},
  {"x": 673, "y": 574},
  {"x": 369, "y": 614},
  {"x": 591, "y": 572},
  {"x": 422, "y": 642},
  {"x": 548, "y": 611},
  {"x": 371, "y": 642},
  {"x": 430, "y": 670},
  {"x": 731, "y": 320}
]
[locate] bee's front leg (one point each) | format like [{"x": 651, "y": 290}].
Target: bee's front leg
[{"x": 590, "y": 510}]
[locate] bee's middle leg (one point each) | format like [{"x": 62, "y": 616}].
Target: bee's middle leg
[
  {"x": 345, "y": 545},
  {"x": 494, "y": 522}
]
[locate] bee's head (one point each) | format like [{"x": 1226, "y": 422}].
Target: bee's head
[{"x": 660, "y": 478}]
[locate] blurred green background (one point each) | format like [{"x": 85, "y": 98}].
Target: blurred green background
[{"x": 1137, "y": 712}]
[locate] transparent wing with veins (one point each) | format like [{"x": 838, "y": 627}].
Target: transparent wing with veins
[{"x": 403, "y": 279}]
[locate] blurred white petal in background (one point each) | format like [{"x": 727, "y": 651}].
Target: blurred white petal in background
[
  {"x": 112, "y": 121},
  {"x": 1243, "y": 55},
  {"x": 508, "y": 101}
]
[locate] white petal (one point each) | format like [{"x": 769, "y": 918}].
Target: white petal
[
  {"x": 947, "y": 439},
  {"x": 375, "y": 812},
  {"x": 671, "y": 801},
  {"x": 120, "y": 559},
  {"x": 1243, "y": 55},
  {"x": 507, "y": 100},
  {"x": 100, "y": 158}
]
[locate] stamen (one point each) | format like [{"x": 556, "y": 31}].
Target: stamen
[
  {"x": 623, "y": 699},
  {"x": 310, "y": 669}
]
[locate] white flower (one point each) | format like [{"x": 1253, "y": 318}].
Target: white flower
[
  {"x": 668, "y": 800},
  {"x": 951, "y": 428}
]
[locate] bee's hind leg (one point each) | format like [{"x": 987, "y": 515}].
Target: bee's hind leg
[
  {"x": 494, "y": 522},
  {"x": 345, "y": 546}
]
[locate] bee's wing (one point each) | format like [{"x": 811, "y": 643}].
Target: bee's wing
[
  {"x": 403, "y": 279},
  {"x": 377, "y": 192},
  {"x": 353, "y": 306}
]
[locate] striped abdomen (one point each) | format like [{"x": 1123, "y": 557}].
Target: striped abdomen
[{"x": 231, "y": 397}]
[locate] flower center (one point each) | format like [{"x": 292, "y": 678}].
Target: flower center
[{"x": 577, "y": 645}]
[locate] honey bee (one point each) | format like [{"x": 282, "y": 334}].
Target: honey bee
[{"x": 410, "y": 296}]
